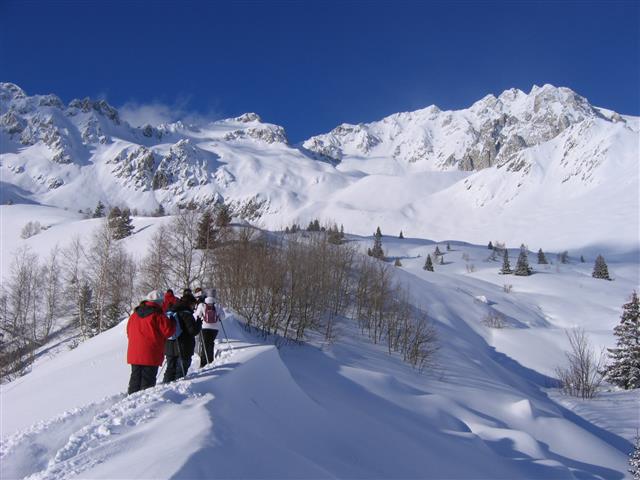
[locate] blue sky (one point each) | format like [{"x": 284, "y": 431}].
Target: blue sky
[{"x": 310, "y": 66}]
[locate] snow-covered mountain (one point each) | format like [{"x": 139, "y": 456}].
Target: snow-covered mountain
[{"x": 514, "y": 167}]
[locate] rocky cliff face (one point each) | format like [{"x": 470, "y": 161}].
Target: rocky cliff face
[{"x": 492, "y": 132}]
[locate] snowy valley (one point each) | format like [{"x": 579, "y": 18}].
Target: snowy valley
[{"x": 545, "y": 169}]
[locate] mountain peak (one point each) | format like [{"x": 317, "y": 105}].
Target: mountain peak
[{"x": 10, "y": 91}]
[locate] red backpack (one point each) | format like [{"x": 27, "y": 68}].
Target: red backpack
[{"x": 210, "y": 314}]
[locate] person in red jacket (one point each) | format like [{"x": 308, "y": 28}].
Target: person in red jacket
[
  {"x": 169, "y": 300},
  {"x": 147, "y": 330}
]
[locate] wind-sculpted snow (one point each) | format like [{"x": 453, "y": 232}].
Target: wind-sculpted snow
[
  {"x": 507, "y": 163},
  {"x": 349, "y": 409}
]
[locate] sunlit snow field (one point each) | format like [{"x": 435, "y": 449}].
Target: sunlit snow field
[{"x": 488, "y": 409}]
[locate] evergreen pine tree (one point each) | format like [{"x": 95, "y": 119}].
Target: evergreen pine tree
[
  {"x": 114, "y": 221},
  {"x": 341, "y": 231},
  {"x": 448, "y": 246},
  {"x": 159, "y": 211},
  {"x": 624, "y": 369},
  {"x": 377, "y": 251},
  {"x": 563, "y": 257},
  {"x": 428, "y": 265},
  {"x": 490, "y": 246},
  {"x": 634, "y": 460},
  {"x": 206, "y": 231},
  {"x": 398, "y": 263},
  {"x": 542, "y": 260},
  {"x": 522, "y": 265},
  {"x": 581, "y": 258},
  {"x": 506, "y": 266},
  {"x": 437, "y": 251},
  {"x": 99, "y": 211},
  {"x": 223, "y": 216},
  {"x": 286, "y": 230},
  {"x": 125, "y": 226},
  {"x": 441, "y": 259},
  {"x": 600, "y": 269},
  {"x": 378, "y": 233},
  {"x": 401, "y": 236},
  {"x": 333, "y": 235}
]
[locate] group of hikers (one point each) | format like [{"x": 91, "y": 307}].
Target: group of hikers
[{"x": 167, "y": 326}]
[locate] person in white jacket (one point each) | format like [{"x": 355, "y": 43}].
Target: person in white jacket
[{"x": 211, "y": 315}]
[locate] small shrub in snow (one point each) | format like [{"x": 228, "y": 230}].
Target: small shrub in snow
[
  {"x": 397, "y": 263},
  {"x": 582, "y": 375},
  {"x": 507, "y": 288},
  {"x": 31, "y": 229}
]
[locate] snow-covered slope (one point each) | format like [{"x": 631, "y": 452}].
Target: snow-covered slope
[
  {"x": 347, "y": 410},
  {"x": 516, "y": 167}
]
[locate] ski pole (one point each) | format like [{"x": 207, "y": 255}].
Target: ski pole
[
  {"x": 204, "y": 347},
  {"x": 225, "y": 334},
  {"x": 184, "y": 374}
]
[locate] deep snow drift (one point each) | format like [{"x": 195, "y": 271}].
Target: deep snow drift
[{"x": 345, "y": 410}]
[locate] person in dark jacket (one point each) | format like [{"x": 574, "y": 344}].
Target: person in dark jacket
[
  {"x": 179, "y": 352},
  {"x": 147, "y": 330}
]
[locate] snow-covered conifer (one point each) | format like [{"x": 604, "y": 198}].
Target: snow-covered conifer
[
  {"x": 600, "y": 269},
  {"x": 634, "y": 460},
  {"x": 206, "y": 231},
  {"x": 490, "y": 246},
  {"x": 624, "y": 369},
  {"x": 506, "y": 266},
  {"x": 401, "y": 236},
  {"x": 223, "y": 216},
  {"x": 542, "y": 259},
  {"x": 428, "y": 264},
  {"x": 125, "y": 228},
  {"x": 522, "y": 265},
  {"x": 376, "y": 250},
  {"x": 99, "y": 211},
  {"x": 397, "y": 263}
]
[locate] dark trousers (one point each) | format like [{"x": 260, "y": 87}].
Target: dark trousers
[
  {"x": 142, "y": 376},
  {"x": 206, "y": 350},
  {"x": 177, "y": 367}
]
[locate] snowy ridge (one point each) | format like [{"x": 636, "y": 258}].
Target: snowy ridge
[{"x": 507, "y": 162}]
